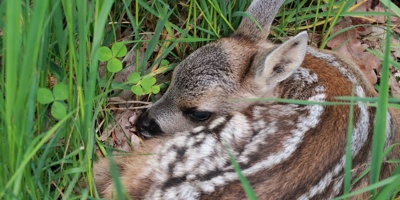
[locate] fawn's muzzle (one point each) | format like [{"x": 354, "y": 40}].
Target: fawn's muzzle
[{"x": 148, "y": 127}]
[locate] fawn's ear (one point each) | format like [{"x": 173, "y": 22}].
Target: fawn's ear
[
  {"x": 263, "y": 12},
  {"x": 277, "y": 65}
]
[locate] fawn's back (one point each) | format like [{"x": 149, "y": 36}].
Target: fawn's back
[{"x": 286, "y": 151}]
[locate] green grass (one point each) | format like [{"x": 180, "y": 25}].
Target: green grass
[{"x": 56, "y": 41}]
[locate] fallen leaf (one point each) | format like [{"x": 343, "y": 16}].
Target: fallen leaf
[
  {"x": 121, "y": 133},
  {"x": 348, "y": 45}
]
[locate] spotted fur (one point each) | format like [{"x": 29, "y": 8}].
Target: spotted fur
[{"x": 286, "y": 151}]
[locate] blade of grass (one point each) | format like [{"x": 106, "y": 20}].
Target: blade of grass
[
  {"x": 154, "y": 40},
  {"x": 374, "y": 186},
  {"x": 115, "y": 177},
  {"x": 101, "y": 14},
  {"x": 389, "y": 191},
  {"x": 389, "y": 4},
  {"x": 380, "y": 55},
  {"x": 245, "y": 183},
  {"x": 378, "y": 139},
  {"x": 12, "y": 43},
  {"x": 349, "y": 157},
  {"x": 343, "y": 8},
  {"x": 220, "y": 13},
  {"x": 31, "y": 151}
]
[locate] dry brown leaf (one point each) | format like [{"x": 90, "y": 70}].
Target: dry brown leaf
[
  {"x": 121, "y": 134},
  {"x": 348, "y": 45},
  {"x": 376, "y": 6}
]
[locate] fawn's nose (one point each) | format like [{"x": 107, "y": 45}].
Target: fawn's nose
[{"x": 147, "y": 126}]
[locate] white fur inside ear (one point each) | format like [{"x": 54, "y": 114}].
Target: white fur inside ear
[{"x": 281, "y": 62}]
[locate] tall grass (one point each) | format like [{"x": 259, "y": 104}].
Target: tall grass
[
  {"x": 47, "y": 42},
  {"x": 43, "y": 157}
]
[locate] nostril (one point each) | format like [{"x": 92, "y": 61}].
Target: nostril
[
  {"x": 143, "y": 119},
  {"x": 145, "y": 122},
  {"x": 147, "y": 126}
]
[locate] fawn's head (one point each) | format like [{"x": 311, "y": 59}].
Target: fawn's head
[{"x": 241, "y": 66}]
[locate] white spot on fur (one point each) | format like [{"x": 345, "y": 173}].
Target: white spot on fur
[
  {"x": 390, "y": 131},
  {"x": 184, "y": 191},
  {"x": 360, "y": 132},
  {"x": 279, "y": 110},
  {"x": 304, "y": 76},
  {"x": 207, "y": 188},
  {"x": 319, "y": 89},
  {"x": 303, "y": 197},
  {"x": 259, "y": 124},
  {"x": 337, "y": 186},
  {"x": 217, "y": 122},
  {"x": 198, "y": 129},
  {"x": 258, "y": 112}
]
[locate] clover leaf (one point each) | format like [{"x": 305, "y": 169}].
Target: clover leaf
[
  {"x": 119, "y": 49},
  {"x": 111, "y": 56},
  {"x": 136, "y": 89},
  {"x": 114, "y": 65},
  {"x": 143, "y": 85},
  {"x": 60, "y": 92},
  {"x": 105, "y": 54},
  {"x": 56, "y": 98},
  {"x": 134, "y": 78},
  {"x": 45, "y": 96},
  {"x": 58, "y": 110}
]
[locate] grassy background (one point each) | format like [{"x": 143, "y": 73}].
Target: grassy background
[{"x": 47, "y": 42}]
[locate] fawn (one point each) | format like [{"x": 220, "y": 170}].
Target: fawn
[{"x": 286, "y": 151}]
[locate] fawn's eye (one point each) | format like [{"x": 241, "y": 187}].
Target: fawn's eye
[{"x": 198, "y": 115}]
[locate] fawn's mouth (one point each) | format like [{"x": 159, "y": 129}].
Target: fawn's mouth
[
  {"x": 144, "y": 134},
  {"x": 149, "y": 133}
]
